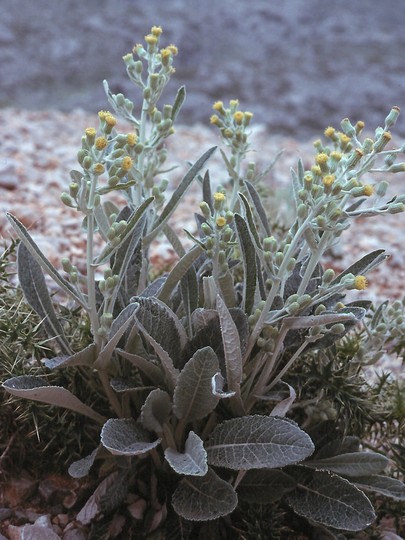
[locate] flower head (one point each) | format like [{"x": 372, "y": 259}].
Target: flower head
[
  {"x": 360, "y": 283},
  {"x": 100, "y": 143},
  {"x": 126, "y": 163}
]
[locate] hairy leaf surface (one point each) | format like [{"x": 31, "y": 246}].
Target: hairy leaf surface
[
  {"x": 257, "y": 442},
  {"x": 331, "y": 501},
  {"x": 193, "y": 398},
  {"x": 193, "y": 462},
  {"x": 352, "y": 464},
  {"x": 37, "y": 389},
  {"x": 390, "y": 487},
  {"x": 125, "y": 437},
  {"x": 203, "y": 498},
  {"x": 156, "y": 410}
]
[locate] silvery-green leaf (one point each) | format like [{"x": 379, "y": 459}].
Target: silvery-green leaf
[
  {"x": 206, "y": 191},
  {"x": 193, "y": 398},
  {"x": 251, "y": 222},
  {"x": 249, "y": 263},
  {"x": 125, "y": 437},
  {"x": 261, "y": 212},
  {"x": 217, "y": 385},
  {"x": 189, "y": 291},
  {"x": 152, "y": 371},
  {"x": 331, "y": 501},
  {"x": 178, "y": 102},
  {"x": 109, "y": 250},
  {"x": 389, "y": 487},
  {"x": 36, "y": 293},
  {"x": 257, "y": 442},
  {"x": 37, "y": 389},
  {"x": 284, "y": 405},
  {"x": 363, "y": 265},
  {"x": 226, "y": 284},
  {"x": 178, "y": 195},
  {"x": 164, "y": 331},
  {"x": 352, "y": 464},
  {"x": 232, "y": 348},
  {"x": 203, "y": 498},
  {"x": 42, "y": 260},
  {"x": 265, "y": 486},
  {"x": 156, "y": 410},
  {"x": 178, "y": 271},
  {"x": 339, "y": 446},
  {"x": 85, "y": 357},
  {"x": 193, "y": 462},
  {"x": 81, "y": 467},
  {"x": 118, "y": 329},
  {"x": 121, "y": 385}
]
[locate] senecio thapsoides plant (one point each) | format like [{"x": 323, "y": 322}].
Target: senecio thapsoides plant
[{"x": 197, "y": 364}]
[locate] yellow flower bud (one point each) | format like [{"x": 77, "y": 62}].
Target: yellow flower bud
[
  {"x": 90, "y": 132},
  {"x": 219, "y": 106},
  {"x": 173, "y": 49},
  {"x": 368, "y": 190},
  {"x": 126, "y": 163},
  {"x": 101, "y": 143},
  {"x": 110, "y": 120},
  {"x": 330, "y": 132},
  {"x": 151, "y": 39},
  {"x": 214, "y": 120},
  {"x": 238, "y": 117},
  {"x": 221, "y": 222},
  {"x": 98, "y": 168},
  {"x": 328, "y": 180},
  {"x": 218, "y": 196},
  {"x": 360, "y": 283},
  {"x": 156, "y": 30},
  {"x": 131, "y": 139}
]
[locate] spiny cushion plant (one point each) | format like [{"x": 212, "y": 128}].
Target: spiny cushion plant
[{"x": 228, "y": 378}]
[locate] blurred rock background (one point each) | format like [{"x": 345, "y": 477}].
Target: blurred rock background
[{"x": 299, "y": 65}]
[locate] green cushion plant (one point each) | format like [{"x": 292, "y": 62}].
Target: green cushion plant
[{"x": 236, "y": 378}]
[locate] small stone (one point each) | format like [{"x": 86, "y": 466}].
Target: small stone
[
  {"x": 74, "y": 534},
  {"x": 18, "y": 490}
]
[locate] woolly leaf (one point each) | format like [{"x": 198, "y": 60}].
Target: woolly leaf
[
  {"x": 232, "y": 348},
  {"x": 249, "y": 263},
  {"x": 331, "y": 501},
  {"x": 37, "y": 389},
  {"x": 158, "y": 321},
  {"x": 203, "y": 498},
  {"x": 152, "y": 371},
  {"x": 257, "y": 442},
  {"x": 389, "y": 487},
  {"x": 81, "y": 467},
  {"x": 33, "y": 284},
  {"x": 42, "y": 260},
  {"x": 110, "y": 250},
  {"x": 265, "y": 486},
  {"x": 178, "y": 102},
  {"x": 352, "y": 464},
  {"x": 261, "y": 212},
  {"x": 193, "y": 398},
  {"x": 363, "y": 265},
  {"x": 125, "y": 437},
  {"x": 178, "y": 195},
  {"x": 85, "y": 357},
  {"x": 194, "y": 460},
  {"x": 156, "y": 410}
]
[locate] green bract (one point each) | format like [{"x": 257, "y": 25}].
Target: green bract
[{"x": 234, "y": 373}]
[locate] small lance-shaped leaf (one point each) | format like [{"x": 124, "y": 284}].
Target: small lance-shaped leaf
[
  {"x": 37, "y": 389},
  {"x": 232, "y": 348},
  {"x": 156, "y": 410},
  {"x": 332, "y": 501},
  {"x": 249, "y": 263},
  {"x": 85, "y": 357},
  {"x": 352, "y": 464},
  {"x": 125, "y": 437},
  {"x": 42, "y": 260},
  {"x": 390, "y": 487},
  {"x": 261, "y": 212},
  {"x": 194, "y": 460},
  {"x": 178, "y": 102},
  {"x": 257, "y": 442},
  {"x": 193, "y": 398},
  {"x": 33, "y": 284},
  {"x": 110, "y": 250},
  {"x": 177, "y": 195},
  {"x": 81, "y": 467},
  {"x": 203, "y": 498},
  {"x": 265, "y": 486},
  {"x": 158, "y": 321},
  {"x": 363, "y": 265},
  {"x": 178, "y": 271}
]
